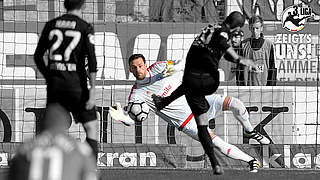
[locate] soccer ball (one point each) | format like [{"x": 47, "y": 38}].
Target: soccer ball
[{"x": 138, "y": 110}]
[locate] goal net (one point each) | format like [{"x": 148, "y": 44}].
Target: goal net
[{"x": 286, "y": 112}]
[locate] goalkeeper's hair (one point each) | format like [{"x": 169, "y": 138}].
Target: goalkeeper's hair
[
  {"x": 136, "y": 56},
  {"x": 73, "y": 4}
]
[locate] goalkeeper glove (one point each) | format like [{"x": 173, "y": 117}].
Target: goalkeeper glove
[
  {"x": 172, "y": 67},
  {"x": 119, "y": 115},
  {"x": 168, "y": 71}
]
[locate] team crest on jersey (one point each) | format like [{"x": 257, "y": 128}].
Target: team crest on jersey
[{"x": 295, "y": 17}]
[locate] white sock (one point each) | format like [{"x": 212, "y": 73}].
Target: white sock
[
  {"x": 240, "y": 113},
  {"x": 230, "y": 150}
]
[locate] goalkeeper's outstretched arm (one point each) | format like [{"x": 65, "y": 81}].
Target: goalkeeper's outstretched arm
[{"x": 119, "y": 115}]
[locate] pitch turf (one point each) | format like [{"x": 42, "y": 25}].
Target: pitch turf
[{"x": 198, "y": 174}]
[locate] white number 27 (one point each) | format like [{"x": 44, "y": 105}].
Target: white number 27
[{"x": 76, "y": 35}]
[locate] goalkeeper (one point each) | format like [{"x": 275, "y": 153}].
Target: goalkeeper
[{"x": 162, "y": 78}]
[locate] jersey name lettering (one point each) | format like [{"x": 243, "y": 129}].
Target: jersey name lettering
[
  {"x": 63, "y": 66},
  {"x": 66, "y": 24}
]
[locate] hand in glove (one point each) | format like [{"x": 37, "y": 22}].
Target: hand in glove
[
  {"x": 168, "y": 71},
  {"x": 119, "y": 115},
  {"x": 171, "y": 68}
]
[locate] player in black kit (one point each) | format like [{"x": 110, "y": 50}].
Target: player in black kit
[
  {"x": 70, "y": 44},
  {"x": 201, "y": 76}
]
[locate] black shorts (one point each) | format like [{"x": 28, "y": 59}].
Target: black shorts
[
  {"x": 198, "y": 85},
  {"x": 74, "y": 102}
]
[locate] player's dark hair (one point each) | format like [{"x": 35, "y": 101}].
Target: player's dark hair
[
  {"x": 255, "y": 19},
  {"x": 73, "y": 4},
  {"x": 136, "y": 56},
  {"x": 235, "y": 19}
]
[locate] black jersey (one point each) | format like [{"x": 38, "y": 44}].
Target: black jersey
[
  {"x": 70, "y": 44},
  {"x": 207, "y": 49},
  {"x": 53, "y": 156}
]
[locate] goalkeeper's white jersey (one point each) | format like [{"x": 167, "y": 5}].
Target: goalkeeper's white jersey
[{"x": 178, "y": 113}]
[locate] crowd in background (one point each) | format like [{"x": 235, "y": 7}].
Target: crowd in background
[
  {"x": 255, "y": 47},
  {"x": 123, "y": 11},
  {"x": 186, "y": 10},
  {"x": 119, "y": 10}
]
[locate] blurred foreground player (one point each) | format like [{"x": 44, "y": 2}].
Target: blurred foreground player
[
  {"x": 201, "y": 75},
  {"x": 70, "y": 42},
  {"x": 53, "y": 155}
]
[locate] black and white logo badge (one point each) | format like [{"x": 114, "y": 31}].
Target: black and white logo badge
[{"x": 295, "y": 17}]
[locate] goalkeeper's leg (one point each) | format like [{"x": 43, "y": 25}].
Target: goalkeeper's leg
[
  {"x": 225, "y": 148},
  {"x": 229, "y": 149},
  {"x": 234, "y": 152},
  {"x": 241, "y": 114}
]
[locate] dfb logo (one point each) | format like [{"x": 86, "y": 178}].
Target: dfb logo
[{"x": 294, "y": 17}]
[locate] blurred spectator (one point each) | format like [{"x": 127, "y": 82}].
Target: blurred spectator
[
  {"x": 183, "y": 11},
  {"x": 205, "y": 11},
  {"x": 261, "y": 50},
  {"x": 233, "y": 71},
  {"x": 195, "y": 11},
  {"x": 236, "y": 39},
  {"x": 161, "y": 10}
]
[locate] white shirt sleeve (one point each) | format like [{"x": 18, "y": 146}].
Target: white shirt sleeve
[{"x": 158, "y": 67}]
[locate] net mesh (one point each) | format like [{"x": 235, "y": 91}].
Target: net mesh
[{"x": 288, "y": 113}]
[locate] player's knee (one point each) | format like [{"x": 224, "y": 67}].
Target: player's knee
[
  {"x": 238, "y": 108},
  {"x": 236, "y": 105}
]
